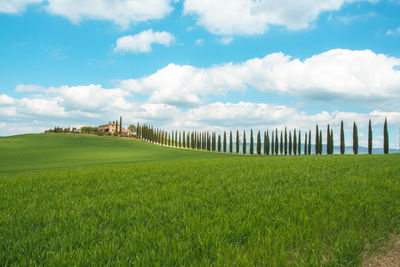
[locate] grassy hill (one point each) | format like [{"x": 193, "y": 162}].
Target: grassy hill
[
  {"x": 43, "y": 151},
  {"x": 196, "y": 208}
]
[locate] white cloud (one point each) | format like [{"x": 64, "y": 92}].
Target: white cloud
[
  {"x": 339, "y": 74},
  {"x": 226, "y": 40},
  {"x": 395, "y": 31},
  {"x": 121, "y": 12},
  {"x": 29, "y": 88},
  {"x": 16, "y": 6},
  {"x": 6, "y": 100},
  {"x": 246, "y": 17},
  {"x": 199, "y": 42},
  {"x": 142, "y": 42}
]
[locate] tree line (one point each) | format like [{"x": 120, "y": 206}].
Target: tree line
[{"x": 283, "y": 142}]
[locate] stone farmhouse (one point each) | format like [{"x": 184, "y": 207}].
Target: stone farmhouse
[{"x": 111, "y": 127}]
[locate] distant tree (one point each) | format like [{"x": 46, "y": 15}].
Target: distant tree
[
  {"x": 281, "y": 144},
  {"x": 272, "y": 144},
  {"x": 237, "y": 141},
  {"x": 180, "y": 139},
  {"x": 116, "y": 127},
  {"x": 295, "y": 142},
  {"x": 332, "y": 144},
  {"x": 316, "y": 140},
  {"x": 176, "y": 138},
  {"x": 188, "y": 139},
  {"x": 224, "y": 141},
  {"x": 266, "y": 143},
  {"x": 244, "y": 142},
  {"x": 369, "y": 137},
  {"x": 169, "y": 139},
  {"x": 132, "y": 128},
  {"x": 230, "y": 142},
  {"x": 286, "y": 142},
  {"x": 184, "y": 139},
  {"x": 305, "y": 144},
  {"x": 299, "y": 144},
  {"x": 276, "y": 142},
  {"x": 309, "y": 143},
  {"x": 342, "y": 141},
  {"x": 208, "y": 141},
  {"x": 219, "y": 143},
  {"x": 290, "y": 143},
  {"x": 355, "y": 139},
  {"x": 251, "y": 142},
  {"x": 385, "y": 138},
  {"x": 120, "y": 125},
  {"x": 259, "y": 143}
]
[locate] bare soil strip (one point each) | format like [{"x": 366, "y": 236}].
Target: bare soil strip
[{"x": 387, "y": 258}]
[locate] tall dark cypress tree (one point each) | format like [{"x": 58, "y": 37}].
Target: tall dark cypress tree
[
  {"x": 295, "y": 142},
  {"x": 309, "y": 143},
  {"x": 259, "y": 143},
  {"x": 272, "y": 144},
  {"x": 355, "y": 139},
  {"x": 342, "y": 141},
  {"x": 116, "y": 127},
  {"x": 316, "y": 140},
  {"x": 230, "y": 142},
  {"x": 172, "y": 138},
  {"x": 290, "y": 143},
  {"x": 320, "y": 142},
  {"x": 224, "y": 146},
  {"x": 180, "y": 139},
  {"x": 219, "y": 143},
  {"x": 120, "y": 125},
  {"x": 266, "y": 140},
  {"x": 183, "y": 139},
  {"x": 251, "y": 142},
  {"x": 332, "y": 144},
  {"x": 369, "y": 137},
  {"x": 208, "y": 141},
  {"x": 244, "y": 142},
  {"x": 237, "y": 141},
  {"x": 305, "y": 144},
  {"x": 169, "y": 139},
  {"x": 385, "y": 138},
  {"x": 176, "y": 138},
  {"x": 281, "y": 144},
  {"x": 276, "y": 142},
  {"x": 213, "y": 145},
  {"x": 188, "y": 140},
  {"x": 286, "y": 142},
  {"x": 299, "y": 144}
]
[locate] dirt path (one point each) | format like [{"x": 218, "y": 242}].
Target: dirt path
[{"x": 387, "y": 258}]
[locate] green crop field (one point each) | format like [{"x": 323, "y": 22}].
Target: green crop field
[{"x": 80, "y": 200}]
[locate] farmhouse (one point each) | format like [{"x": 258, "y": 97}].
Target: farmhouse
[{"x": 111, "y": 127}]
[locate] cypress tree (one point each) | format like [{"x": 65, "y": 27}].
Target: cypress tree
[
  {"x": 169, "y": 139},
  {"x": 224, "y": 141},
  {"x": 259, "y": 143},
  {"x": 316, "y": 140},
  {"x": 230, "y": 142},
  {"x": 299, "y": 144},
  {"x": 116, "y": 127},
  {"x": 355, "y": 139},
  {"x": 237, "y": 141},
  {"x": 219, "y": 143},
  {"x": 295, "y": 142},
  {"x": 176, "y": 138},
  {"x": 183, "y": 139},
  {"x": 369, "y": 137},
  {"x": 276, "y": 142},
  {"x": 180, "y": 139},
  {"x": 272, "y": 144},
  {"x": 320, "y": 147},
  {"x": 332, "y": 145},
  {"x": 188, "y": 140},
  {"x": 281, "y": 144},
  {"x": 290, "y": 143},
  {"x": 120, "y": 125},
  {"x": 208, "y": 141},
  {"x": 385, "y": 138},
  {"x": 309, "y": 143},
  {"x": 213, "y": 145},
  {"x": 305, "y": 144},
  {"x": 266, "y": 145},
  {"x": 286, "y": 144},
  {"x": 172, "y": 138},
  {"x": 342, "y": 141},
  {"x": 251, "y": 142},
  {"x": 244, "y": 142}
]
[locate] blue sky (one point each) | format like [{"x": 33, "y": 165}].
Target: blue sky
[{"x": 196, "y": 64}]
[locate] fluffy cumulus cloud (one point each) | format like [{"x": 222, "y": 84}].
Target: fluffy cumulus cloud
[
  {"x": 245, "y": 17},
  {"x": 121, "y": 12},
  {"x": 344, "y": 75},
  {"x": 142, "y": 42},
  {"x": 16, "y": 6}
]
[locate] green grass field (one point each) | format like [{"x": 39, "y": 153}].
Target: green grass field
[{"x": 79, "y": 200}]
